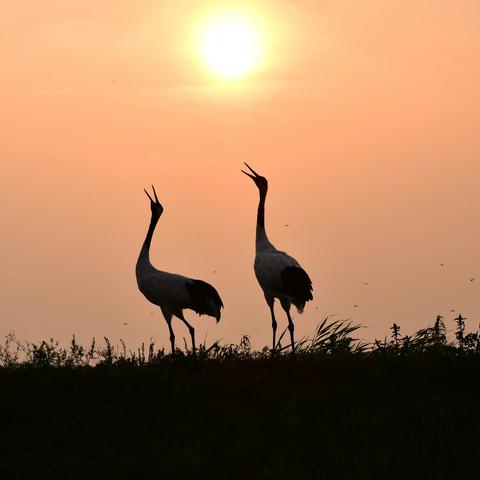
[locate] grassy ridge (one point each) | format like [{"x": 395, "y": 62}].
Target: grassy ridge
[{"x": 399, "y": 409}]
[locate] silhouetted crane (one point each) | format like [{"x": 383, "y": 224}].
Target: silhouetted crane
[
  {"x": 171, "y": 292},
  {"x": 279, "y": 275}
]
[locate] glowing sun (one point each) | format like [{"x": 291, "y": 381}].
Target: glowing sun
[{"x": 230, "y": 45}]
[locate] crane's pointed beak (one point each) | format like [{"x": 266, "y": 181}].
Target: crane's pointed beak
[
  {"x": 255, "y": 174},
  {"x": 155, "y": 193},
  {"x": 248, "y": 175},
  {"x": 148, "y": 195}
]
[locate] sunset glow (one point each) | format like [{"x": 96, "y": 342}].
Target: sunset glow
[
  {"x": 362, "y": 115},
  {"x": 230, "y": 45}
]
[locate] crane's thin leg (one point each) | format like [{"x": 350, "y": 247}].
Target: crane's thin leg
[
  {"x": 270, "y": 301},
  {"x": 168, "y": 319},
  {"x": 291, "y": 329},
  {"x": 172, "y": 335},
  {"x": 192, "y": 333},
  {"x": 274, "y": 327}
]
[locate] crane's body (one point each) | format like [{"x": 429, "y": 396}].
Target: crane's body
[
  {"x": 173, "y": 293},
  {"x": 279, "y": 275}
]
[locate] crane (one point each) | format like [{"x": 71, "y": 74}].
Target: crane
[
  {"x": 279, "y": 275},
  {"x": 171, "y": 292}
]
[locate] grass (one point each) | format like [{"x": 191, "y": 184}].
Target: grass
[{"x": 403, "y": 407}]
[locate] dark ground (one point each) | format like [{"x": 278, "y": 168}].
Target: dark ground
[{"x": 352, "y": 416}]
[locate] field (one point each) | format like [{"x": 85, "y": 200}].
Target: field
[{"x": 401, "y": 408}]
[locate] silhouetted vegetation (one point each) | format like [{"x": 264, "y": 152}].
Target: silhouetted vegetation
[{"x": 402, "y": 407}]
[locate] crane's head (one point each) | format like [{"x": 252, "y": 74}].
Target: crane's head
[
  {"x": 155, "y": 205},
  {"x": 260, "y": 182}
]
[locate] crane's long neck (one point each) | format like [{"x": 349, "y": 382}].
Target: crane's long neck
[
  {"x": 143, "y": 261},
  {"x": 261, "y": 239}
]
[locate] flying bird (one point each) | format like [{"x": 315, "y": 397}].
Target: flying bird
[
  {"x": 279, "y": 275},
  {"x": 171, "y": 292}
]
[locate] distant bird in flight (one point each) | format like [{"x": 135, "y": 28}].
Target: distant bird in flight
[
  {"x": 171, "y": 292},
  {"x": 279, "y": 275}
]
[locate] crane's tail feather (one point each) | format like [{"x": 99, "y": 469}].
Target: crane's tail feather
[
  {"x": 205, "y": 299},
  {"x": 298, "y": 286}
]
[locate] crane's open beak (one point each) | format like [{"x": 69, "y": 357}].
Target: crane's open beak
[
  {"x": 255, "y": 174},
  {"x": 154, "y": 193},
  {"x": 148, "y": 195}
]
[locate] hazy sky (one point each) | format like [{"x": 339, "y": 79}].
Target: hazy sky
[{"x": 364, "y": 118}]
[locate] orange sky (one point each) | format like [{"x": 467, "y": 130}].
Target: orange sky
[{"x": 365, "y": 119}]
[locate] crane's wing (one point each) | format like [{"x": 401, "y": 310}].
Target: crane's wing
[
  {"x": 204, "y": 298},
  {"x": 280, "y": 274},
  {"x": 297, "y": 284}
]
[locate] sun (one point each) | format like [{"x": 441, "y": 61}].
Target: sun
[{"x": 231, "y": 45}]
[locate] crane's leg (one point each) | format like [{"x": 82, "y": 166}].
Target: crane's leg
[
  {"x": 274, "y": 327},
  {"x": 270, "y": 302},
  {"x": 168, "y": 319},
  {"x": 191, "y": 330},
  {"x": 172, "y": 335},
  {"x": 291, "y": 326},
  {"x": 291, "y": 329}
]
